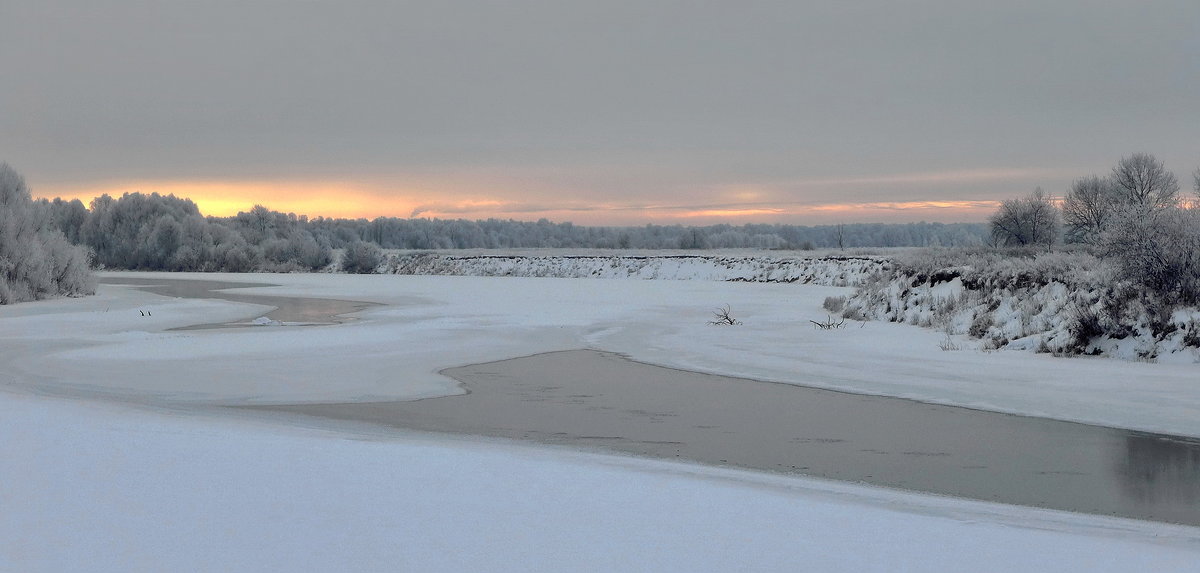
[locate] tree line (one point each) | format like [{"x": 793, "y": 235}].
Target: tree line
[
  {"x": 1135, "y": 217},
  {"x": 164, "y": 232},
  {"x": 36, "y": 259}
]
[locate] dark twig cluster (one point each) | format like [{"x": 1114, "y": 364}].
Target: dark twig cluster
[
  {"x": 829, "y": 324},
  {"x": 722, "y": 318}
]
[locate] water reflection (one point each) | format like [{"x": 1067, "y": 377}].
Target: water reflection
[
  {"x": 1158, "y": 469},
  {"x": 287, "y": 309}
]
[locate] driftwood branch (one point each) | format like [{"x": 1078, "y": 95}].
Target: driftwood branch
[
  {"x": 829, "y": 324},
  {"x": 721, "y": 317}
]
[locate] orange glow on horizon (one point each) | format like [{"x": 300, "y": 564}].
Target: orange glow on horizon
[
  {"x": 333, "y": 199},
  {"x": 728, "y": 213},
  {"x": 800, "y": 214},
  {"x": 908, "y": 206},
  {"x": 336, "y": 199}
]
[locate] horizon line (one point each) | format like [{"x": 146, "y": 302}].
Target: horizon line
[{"x": 354, "y": 206}]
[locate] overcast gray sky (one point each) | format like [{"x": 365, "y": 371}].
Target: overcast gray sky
[{"x": 598, "y": 112}]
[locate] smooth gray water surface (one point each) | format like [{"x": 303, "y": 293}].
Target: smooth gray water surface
[
  {"x": 602, "y": 400},
  {"x": 288, "y": 309}
]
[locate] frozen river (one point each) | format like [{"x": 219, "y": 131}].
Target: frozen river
[
  {"x": 600, "y": 400},
  {"x": 287, "y": 309}
]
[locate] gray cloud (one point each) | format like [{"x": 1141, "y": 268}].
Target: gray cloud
[{"x": 614, "y": 100}]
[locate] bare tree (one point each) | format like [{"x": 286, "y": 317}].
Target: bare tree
[
  {"x": 1142, "y": 180},
  {"x": 1031, "y": 220},
  {"x": 1196, "y": 185},
  {"x": 1087, "y": 208}
]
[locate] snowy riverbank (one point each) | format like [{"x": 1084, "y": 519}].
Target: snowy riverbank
[
  {"x": 1060, "y": 303},
  {"x": 827, "y": 269},
  {"x": 1068, "y": 304}
]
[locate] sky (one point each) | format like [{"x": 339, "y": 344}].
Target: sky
[{"x": 609, "y": 112}]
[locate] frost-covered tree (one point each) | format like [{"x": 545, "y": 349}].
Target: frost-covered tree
[
  {"x": 1028, "y": 221},
  {"x": 1141, "y": 180},
  {"x": 157, "y": 232},
  {"x": 36, "y": 260},
  {"x": 1137, "y": 219},
  {"x": 1139, "y": 185},
  {"x": 1196, "y": 183},
  {"x": 66, "y": 216},
  {"x": 1159, "y": 249},
  {"x": 139, "y": 231}
]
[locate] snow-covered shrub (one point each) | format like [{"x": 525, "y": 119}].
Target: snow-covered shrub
[
  {"x": 1063, "y": 302},
  {"x": 1160, "y": 249},
  {"x": 362, "y": 258},
  {"x": 236, "y": 257},
  {"x": 36, "y": 260},
  {"x": 980, "y": 325},
  {"x": 297, "y": 252},
  {"x": 835, "y": 303}
]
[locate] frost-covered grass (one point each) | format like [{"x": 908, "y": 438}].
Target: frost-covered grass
[{"x": 1062, "y": 303}]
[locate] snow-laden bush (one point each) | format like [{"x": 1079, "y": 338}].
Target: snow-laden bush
[
  {"x": 362, "y": 257},
  {"x": 1160, "y": 248},
  {"x": 298, "y": 252},
  {"x": 1062, "y": 302},
  {"x": 835, "y": 303},
  {"x": 36, "y": 260}
]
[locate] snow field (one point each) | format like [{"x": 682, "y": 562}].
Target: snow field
[{"x": 94, "y": 486}]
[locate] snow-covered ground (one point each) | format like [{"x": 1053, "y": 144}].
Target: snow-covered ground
[{"x": 104, "y": 485}]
